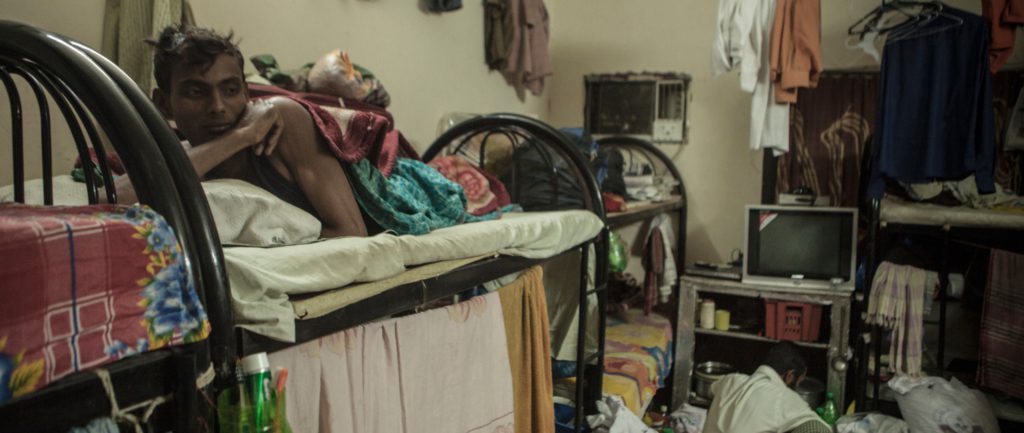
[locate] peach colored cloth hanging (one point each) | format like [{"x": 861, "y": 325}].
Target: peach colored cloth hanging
[
  {"x": 1003, "y": 16},
  {"x": 795, "y": 47}
]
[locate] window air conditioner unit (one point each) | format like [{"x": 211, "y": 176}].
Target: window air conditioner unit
[{"x": 650, "y": 106}]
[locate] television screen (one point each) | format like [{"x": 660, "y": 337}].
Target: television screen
[{"x": 813, "y": 243}]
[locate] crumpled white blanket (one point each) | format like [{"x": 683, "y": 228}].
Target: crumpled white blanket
[{"x": 614, "y": 417}]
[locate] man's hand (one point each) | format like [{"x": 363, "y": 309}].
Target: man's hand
[{"x": 260, "y": 126}]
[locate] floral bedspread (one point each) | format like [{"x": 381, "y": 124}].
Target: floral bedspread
[{"x": 83, "y": 286}]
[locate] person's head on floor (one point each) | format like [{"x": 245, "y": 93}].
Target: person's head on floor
[
  {"x": 200, "y": 81},
  {"x": 785, "y": 359}
]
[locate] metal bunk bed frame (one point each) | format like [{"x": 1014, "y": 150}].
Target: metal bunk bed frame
[
  {"x": 947, "y": 234},
  {"x": 94, "y": 95},
  {"x": 678, "y": 382}
]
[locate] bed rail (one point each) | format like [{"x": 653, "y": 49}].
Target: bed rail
[
  {"x": 98, "y": 101},
  {"x": 553, "y": 147},
  {"x": 679, "y": 379}
]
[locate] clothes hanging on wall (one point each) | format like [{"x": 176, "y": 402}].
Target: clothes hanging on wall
[
  {"x": 659, "y": 262},
  {"x": 743, "y": 40},
  {"x": 769, "y": 118},
  {"x": 831, "y": 123},
  {"x": 935, "y": 75},
  {"x": 1002, "y": 325},
  {"x": 516, "y": 41},
  {"x": 732, "y": 30},
  {"x": 796, "y": 47},
  {"x": 1004, "y": 16}
]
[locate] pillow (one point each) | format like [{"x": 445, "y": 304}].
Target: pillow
[
  {"x": 66, "y": 192},
  {"x": 249, "y": 215},
  {"x": 244, "y": 213}
]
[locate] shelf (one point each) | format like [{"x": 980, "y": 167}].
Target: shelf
[
  {"x": 746, "y": 336},
  {"x": 738, "y": 288},
  {"x": 643, "y": 210}
]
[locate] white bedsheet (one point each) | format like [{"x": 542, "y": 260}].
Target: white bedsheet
[
  {"x": 262, "y": 278},
  {"x": 902, "y": 212}
]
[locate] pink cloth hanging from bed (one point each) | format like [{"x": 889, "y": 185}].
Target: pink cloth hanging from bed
[
  {"x": 443, "y": 370},
  {"x": 1002, "y": 325}
]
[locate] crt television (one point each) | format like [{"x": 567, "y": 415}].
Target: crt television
[{"x": 797, "y": 246}]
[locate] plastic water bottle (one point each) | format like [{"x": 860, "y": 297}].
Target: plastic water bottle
[{"x": 257, "y": 383}]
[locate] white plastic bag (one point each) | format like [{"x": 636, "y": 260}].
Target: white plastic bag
[
  {"x": 870, "y": 423},
  {"x": 931, "y": 404}
]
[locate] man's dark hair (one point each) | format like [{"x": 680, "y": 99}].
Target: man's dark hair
[
  {"x": 191, "y": 46},
  {"x": 784, "y": 356}
]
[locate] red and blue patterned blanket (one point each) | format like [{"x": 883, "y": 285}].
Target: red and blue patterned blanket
[{"x": 83, "y": 286}]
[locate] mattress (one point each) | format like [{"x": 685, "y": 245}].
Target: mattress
[
  {"x": 638, "y": 357},
  {"x": 898, "y": 211},
  {"x": 263, "y": 279},
  {"x": 87, "y": 285}
]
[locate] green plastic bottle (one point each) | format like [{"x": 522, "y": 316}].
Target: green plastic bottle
[
  {"x": 829, "y": 413},
  {"x": 257, "y": 381},
  {"x": 617, "y": 255}
]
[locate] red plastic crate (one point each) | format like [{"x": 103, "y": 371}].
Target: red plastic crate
[{"x": 795, "y": 321}]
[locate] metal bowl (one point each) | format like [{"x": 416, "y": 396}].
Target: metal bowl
[
  {"x": 707, "y": 373},
  {"x": 812, "y": 391}
]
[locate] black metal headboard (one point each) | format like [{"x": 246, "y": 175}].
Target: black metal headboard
[
  {"x": 552, "y": 146},
  {"x": 95, "y": 97}
]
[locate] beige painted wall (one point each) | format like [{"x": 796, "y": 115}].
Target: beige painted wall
[
  {"x": 79, "y": 19},
  {"x": 430, "y": 63},
  {"x": 721, "y": 173}
]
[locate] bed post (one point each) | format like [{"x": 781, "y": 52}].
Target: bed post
[{"x": 943, "y": 296}]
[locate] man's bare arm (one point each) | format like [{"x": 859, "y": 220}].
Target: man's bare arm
[
  {"x": 260, "y": 127},
  {"x": 318, "y": 173}
]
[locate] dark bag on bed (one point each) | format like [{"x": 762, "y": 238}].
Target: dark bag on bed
[
  {"x": 542, "y": 180},
  {"x": 607, "y": 168}
]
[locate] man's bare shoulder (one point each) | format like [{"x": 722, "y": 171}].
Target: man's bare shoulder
[
  {"x": 287, "y": 106},
  {"x": 300, "y": 138}
]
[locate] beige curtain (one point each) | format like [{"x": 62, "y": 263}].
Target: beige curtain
[{"x": 126, "y": 26}]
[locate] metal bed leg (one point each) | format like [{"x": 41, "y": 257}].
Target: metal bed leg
[
  {"x": 601, "y": 291},
  {"x": 869, "y": 275},
  {"x": 186, "y": 402},
  {"x": 581, "y": 340},
  {"x": 943, "y": 289}
]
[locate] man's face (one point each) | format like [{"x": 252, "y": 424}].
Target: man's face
[{"x": 205, "y": 103}]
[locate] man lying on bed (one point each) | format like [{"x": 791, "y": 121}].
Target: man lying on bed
[{"x": 270, "y": 143}]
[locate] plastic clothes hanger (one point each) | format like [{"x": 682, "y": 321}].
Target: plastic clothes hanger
[
  {"x": 920, "y": 30},
  {"x": 913, "y": 13}
]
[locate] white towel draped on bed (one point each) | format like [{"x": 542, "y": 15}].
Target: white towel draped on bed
[
  {"x": 444, "y": 370},
  {"x": 262, "y": 278}
]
